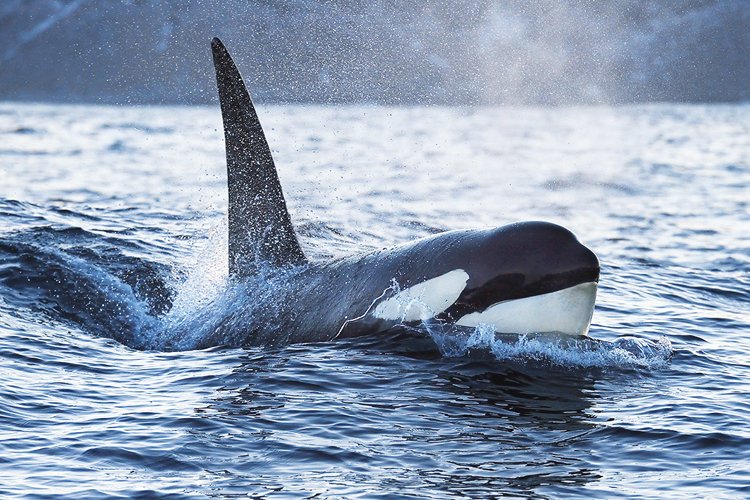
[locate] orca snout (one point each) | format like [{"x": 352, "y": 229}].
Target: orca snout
[
  {"x": 551, "y": 254},
  {"x": 526, "y": 259},
  {"x": 581, "y": 259},
  {"x": 588, "y": 260}
]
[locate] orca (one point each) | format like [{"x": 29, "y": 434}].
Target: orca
[{"x": 522, "y": 278}]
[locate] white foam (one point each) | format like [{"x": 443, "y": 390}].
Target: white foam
[{"x": 581, "y": 352}]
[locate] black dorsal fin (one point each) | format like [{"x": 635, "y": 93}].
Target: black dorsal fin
[{"x": 260, "y": 229}]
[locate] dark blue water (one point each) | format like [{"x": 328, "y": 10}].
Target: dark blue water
[{"x": 112, "y": 255}]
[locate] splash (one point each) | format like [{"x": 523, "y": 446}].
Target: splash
[{"x": 256, "y": 311}]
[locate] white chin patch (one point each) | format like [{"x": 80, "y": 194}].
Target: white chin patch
[
  {"x": 424, "y": 300},
  {"x": 567, "y": 311}
]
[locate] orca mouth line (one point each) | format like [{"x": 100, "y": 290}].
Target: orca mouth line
[
  {"x": 508, "y": 287},
  {"x": 567, "y": 311}
]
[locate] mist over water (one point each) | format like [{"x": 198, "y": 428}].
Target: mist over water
[
  {"x": 113, "y": 250},
  {"x": 397, "y": 52}
]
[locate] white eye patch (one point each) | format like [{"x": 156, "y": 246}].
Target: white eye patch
[{"x": 424, "y": 300}]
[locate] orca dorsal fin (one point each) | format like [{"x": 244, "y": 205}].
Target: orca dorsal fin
[{"x": 260, "y": 229}]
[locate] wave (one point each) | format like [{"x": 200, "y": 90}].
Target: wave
[{"x": 75, "y": 276}]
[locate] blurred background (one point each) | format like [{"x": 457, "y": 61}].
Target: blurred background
[{"x": 379, "y": 51}]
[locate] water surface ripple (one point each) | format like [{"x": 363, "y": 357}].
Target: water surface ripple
[{"x": 112, "y": 255}]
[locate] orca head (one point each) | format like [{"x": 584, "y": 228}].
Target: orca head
[{"x": 528, "y": 277}]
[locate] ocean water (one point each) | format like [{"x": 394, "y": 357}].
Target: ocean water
[{"x": 112, "y": 239}]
